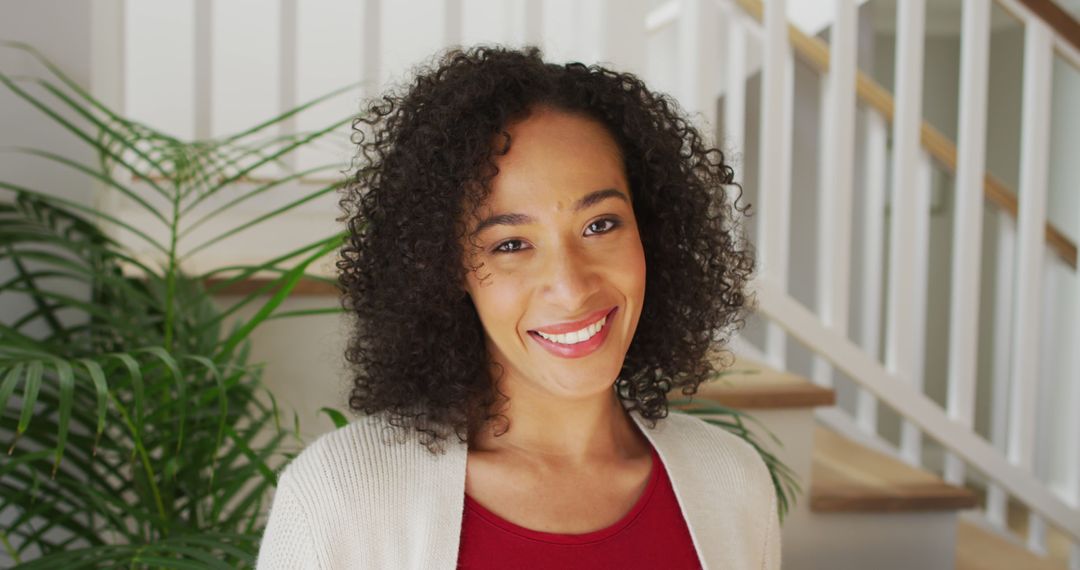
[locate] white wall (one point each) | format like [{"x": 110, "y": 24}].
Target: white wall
[
  {"x": 67, "y": 42},
  {"x": 62, "y": 30}
]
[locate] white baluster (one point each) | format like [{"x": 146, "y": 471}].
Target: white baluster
[
  {"x": 967, "y": 223},
  {"x": 623, "y": 38},
  {"x": 910, "y": 436},
  {"x": 873, "y": 240},
  {"x": 1073, "y": 469},
  {"x": 835, "y": 183},
  {"x": 733, "y": 133},
  {"x": 1062, "y": 44},
  {"x": 534, "y": 22},
  {"x": 371, "y": 64},
  {"x": 1034, "y": 168},
  {"x": 996, "y": 499},
  {"x": 775, "y": 165},
  {"x": 735, "y": 86},
  {"x": 697, "y": 56},
  {"x": 1036, "y": 533},
  {"x": 821, "y": 372},
  {"x": 902, "y": 337},
  {"x": 452, "y": 22}
]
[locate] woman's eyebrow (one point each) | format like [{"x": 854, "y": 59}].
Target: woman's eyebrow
[{"x": 586, "y": 201}]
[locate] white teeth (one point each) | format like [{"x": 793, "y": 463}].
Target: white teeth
[{"x": 577, "y": 336}]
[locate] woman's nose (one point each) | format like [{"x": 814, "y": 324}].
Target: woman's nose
[{"x": 572, "y": 278}]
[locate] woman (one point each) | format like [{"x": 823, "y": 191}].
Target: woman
[{"x": 510, "y": 362}]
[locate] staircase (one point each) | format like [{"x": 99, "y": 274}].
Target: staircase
[
  {"x": 861, "y": 508},
  {"x": 846, "y": 287}
]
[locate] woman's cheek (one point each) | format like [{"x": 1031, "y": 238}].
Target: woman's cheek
[{"x": 501, "y": 287}]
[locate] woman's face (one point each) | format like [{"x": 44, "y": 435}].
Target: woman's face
[{"x": 560, "y": 252}]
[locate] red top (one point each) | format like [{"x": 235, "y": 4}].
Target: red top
[{"x": 652, "y": 535}]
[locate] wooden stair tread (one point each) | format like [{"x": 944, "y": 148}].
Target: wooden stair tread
[
  {"x": 849, "y": 477},
  {"x": 980, "y": 549},
  {"x": 748, "y": 384}
]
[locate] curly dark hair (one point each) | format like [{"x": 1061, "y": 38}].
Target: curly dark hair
[{"x": 424, "y": 163}]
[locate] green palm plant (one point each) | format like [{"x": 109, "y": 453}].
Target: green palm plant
[
  {"x": 131, "y": 428},
  {"x": 140, "y": 435}
]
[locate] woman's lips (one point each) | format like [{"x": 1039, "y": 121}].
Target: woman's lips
[
  {"x": 576, "y": 325},
  {"x": 580, "y": 349}
]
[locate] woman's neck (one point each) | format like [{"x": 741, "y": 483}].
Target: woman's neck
[{"x": 552, "y": 430}]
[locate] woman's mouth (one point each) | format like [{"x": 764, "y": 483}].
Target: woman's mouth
[{"x": 577, "y": 343}]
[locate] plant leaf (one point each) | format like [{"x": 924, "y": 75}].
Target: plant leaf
[
  {"x": 337, "y": 417},
  {"x": 30, "y": 391},
  {"x": 67, "y": 389}
]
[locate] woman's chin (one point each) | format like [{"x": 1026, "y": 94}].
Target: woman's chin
[{"x": 581, "y": 386}]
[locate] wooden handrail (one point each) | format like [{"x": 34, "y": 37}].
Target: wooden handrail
[
  {"x": 816, "y": 53},
  {"x": 1061, "y": 21}
]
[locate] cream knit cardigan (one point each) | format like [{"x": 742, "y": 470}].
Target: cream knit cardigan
[{"x": 349, "y": 500}]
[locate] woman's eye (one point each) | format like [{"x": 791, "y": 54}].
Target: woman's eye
[
  {"x": 516, "y": 245},
  {"x": 613, "y": 223},
  {"x": 502, "y": 247}
]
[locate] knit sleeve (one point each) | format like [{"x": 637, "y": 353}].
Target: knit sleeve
[
  {"x": 771, "y": 559},
  {"x": 287, "y": 541}
]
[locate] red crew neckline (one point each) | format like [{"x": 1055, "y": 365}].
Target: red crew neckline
[{"x": 583, "y": 538}]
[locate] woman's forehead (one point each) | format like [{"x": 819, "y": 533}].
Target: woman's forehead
[
  {"x": 556, "y": 156},
  {"x": 558, "y": 129},
  {"x": 554, "y": 161}
]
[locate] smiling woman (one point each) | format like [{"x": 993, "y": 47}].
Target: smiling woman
[
  {"x": 505, "y": 217},
  {"x": 576, "y": 259}
]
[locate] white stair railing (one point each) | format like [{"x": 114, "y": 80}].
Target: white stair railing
[
  {"x": 873, "y": 238},
  {"x": 836, "y": 182},
  {"x": 899, "y": 382},
  {"x": 1034, "y": 146},
  {"x": 774, "y": 165},
  {"x": 967, "y": 232}
]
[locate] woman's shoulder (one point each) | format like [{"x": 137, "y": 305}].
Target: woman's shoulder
[
  {"x": 717, "y": 446},
  {"x": 322, "y": 464},
  {"x": 352, "y": 490},
  {"x": 727, "y": 474},
  {"x": 366, "y": 455}
]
